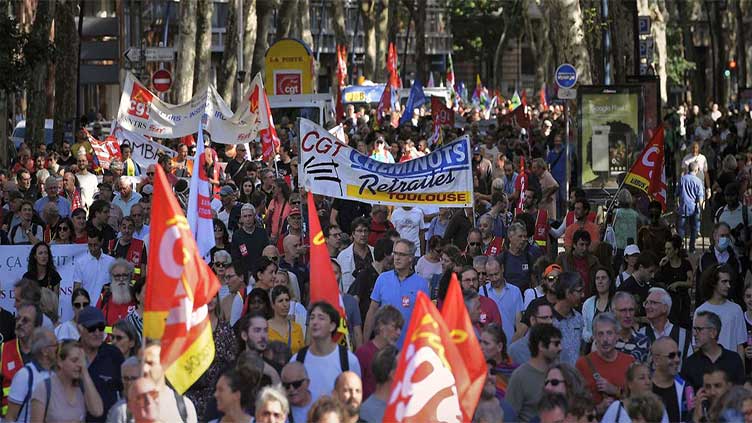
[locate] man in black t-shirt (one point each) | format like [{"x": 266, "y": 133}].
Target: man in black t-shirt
[
  {"x": 639, "y": 283},
  {"x": 667, "y": 358}
]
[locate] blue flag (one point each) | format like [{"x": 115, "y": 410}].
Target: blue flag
[{"x": 414, "y": 100}]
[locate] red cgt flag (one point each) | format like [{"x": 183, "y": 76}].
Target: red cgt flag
[
  {"x": 648, "y": 173},
  {"x": 324, "y": 286},
  {"x": 179, "y": 286},
  {"x": 430, "y": 372},
  {"x": 461, "y": 329}
]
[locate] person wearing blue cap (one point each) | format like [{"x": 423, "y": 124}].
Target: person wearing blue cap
[{"x": 103, "y": 359}]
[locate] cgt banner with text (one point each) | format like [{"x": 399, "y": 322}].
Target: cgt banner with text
[
  {"x": 143, "y": 150},
  {"x": 329, "y": 167},
  {"x": 14, "y": 261}
]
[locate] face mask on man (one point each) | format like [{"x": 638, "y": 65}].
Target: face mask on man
[{"x": 723, "y": 243}]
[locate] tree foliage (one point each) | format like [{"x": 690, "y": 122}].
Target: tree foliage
[
  {"x": 676, "y": 63},
  {"x": 14, "y": 67},
  {"x": 468, "y": 17}
]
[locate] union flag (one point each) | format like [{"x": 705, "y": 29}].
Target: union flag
[
  {"x": 430, "y": 372},
  {"x": 648, "y": 173},
  {"x": 179, "y": 285}
]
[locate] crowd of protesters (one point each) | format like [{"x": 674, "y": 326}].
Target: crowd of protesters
[{"x": 646, "y": 324}]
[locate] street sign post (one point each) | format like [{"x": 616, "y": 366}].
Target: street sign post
[
  {"x": 566, "y": 76},
  {"x": 161, "y": 80},
  {"x": 152, "y": 54}
]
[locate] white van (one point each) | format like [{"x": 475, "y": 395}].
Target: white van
[
  {"x": 315, "y": 107},
  {"x": 20, "y": 131}
]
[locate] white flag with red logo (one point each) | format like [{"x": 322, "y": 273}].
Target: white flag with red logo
[
  {"x": 199, "y": 211},
  {"x": 259, "y": 106}
]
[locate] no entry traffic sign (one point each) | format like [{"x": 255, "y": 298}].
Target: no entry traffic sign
[{"x": 161, "y": 80}]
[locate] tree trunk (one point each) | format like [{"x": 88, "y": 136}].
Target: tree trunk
[
  {"x": 337, "y": 11},
  {"x": 66, "y": 65},
  {"x": 304, "y": 14},
  {"x": 539, "y": 48},
  {"x": 593, "y": 36},
  {"x": 393, "y": 21},
  {"x": 39, "y": 40},
  {"x": 695, "y": 89},
  {"x": 228, "y": 66},
  {"x": 249, "y": 38},
  {"x": 202, "y": 73},
  {"x": 382, "y": 40},
  {"x": 264, "y": 9},
  {"x": 659, "y": 17},
  {"x": 421, "y": 59},
  {"x": 741, "y": 47},
  {"x": 186, "y": 52},
  {"x": 4, "y": 141},
  {"x": 367, "y": 8},
  {"x": 286, "y": 19},
  {"x": 512, "y": 16}
]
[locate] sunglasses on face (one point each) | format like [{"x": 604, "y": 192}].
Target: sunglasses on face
[
  {"x": 80, "y": 305},
  {"x": 98, "y": 327},
  {"x": 294, "y": 384},
  {"x": 272, "y": 258},
  {"x": 220, "y": 264},
  {"x": 554, "y": 382},
  {"x": 149, "y": 173},
  {"x": 473, "y": 244},
  {"x": 672, "y": 355}
]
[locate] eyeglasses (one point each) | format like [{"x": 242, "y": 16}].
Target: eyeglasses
[
  {"x": 294, "y": 384},
  {"x": 651, "y": 303},
  {"x": 552, "y": 278},
  {"x": 672, "y": 355},
  {"x": 80, "y": 305},
  {"x": 273, "y": 258},
  {"x": 336, "y": 234},
  {"x": 701, "y": 328},
  {"x": 120, "y": 275},
  {"x": 149, "y": 173},
  {"x": 473, "y": 244},
  {"x": 98, "y": 327},
  {"x": 401, "y": 254},
  {"x": 219, "y": 264},
  {"x": 554, "y": 382},
  {"x": 63, "y": 228}
]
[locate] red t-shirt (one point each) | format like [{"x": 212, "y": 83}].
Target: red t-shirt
[
  {"x": 489, "y": 312},
  {"x": 365, "y": 354},
  {"x": 615, "y": 372},
  {"x": 114, "y": 312}
]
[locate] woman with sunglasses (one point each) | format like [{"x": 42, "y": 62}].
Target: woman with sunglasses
[
  {"x": 42, "y": 268},
  {"x": 281, "y": 326},
  {"x": 69, "y": 330},
  {"x": 564, "y": 379},
  {"x": 493, "y": 344},
  {"x": 226, "y": 348},
  {"x": 62, "y": 233},
  {"x": 604, "y": 289},
  {"x": 124, "y": 337},
  {"x": 638, "y": 383},
  {"x": 232, "y": 398},
  {"x": 69, "y": 393}
]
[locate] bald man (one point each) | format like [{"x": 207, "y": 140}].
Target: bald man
[
  {"x": 348, "y": 389},
  {"x": 295, "y": 381},
  {"x": 291, "y": 261},
  {"x": 143, "y": 401},
  {"x": 666, "y": 384}
]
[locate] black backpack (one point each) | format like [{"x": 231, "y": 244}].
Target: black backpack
[{"x": 344, "y": 363}]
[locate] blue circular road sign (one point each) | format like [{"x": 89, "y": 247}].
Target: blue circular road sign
[{"x": 566, "y": 76}]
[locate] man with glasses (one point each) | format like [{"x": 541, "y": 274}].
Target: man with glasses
[
  {"x": 118, "y": 301},
  {"x": 605, "y": 369},
  {"x": 229, "y": 213},
  {"x": 296, "y": 383},
  {"x": 104, "y": 360},
  {"x": 540, "y": 313},
  {"x": 507, "y": 297},
  {"x": 716, "y": 285},
  {"x": 294, "y": 226},
  {"x": 666, "y": 383},
  {"x": 398, "y": 288},
  {"x": 566, "y": 317},
  {"x": 548, "y": 279},
  {"x": 474, "y": 243},
  {"x": 92, "y": 270},
  {"x": 629, "y": 341},
  {"x": 333, "y": 235},
  {"x": 16, "y": 352},
  {"x": 139, "y": 216},
  {"x": 489, "y": 312},
  {"x": 43, "y": 349},
  {"x": 232, "y": 304},
  {"x": 126, "y": 197},
  {"x": 657, "y": 309},
  {"x": 235, "y": 169},
  {"x": 491, "y": 244},
  {"x": 219, "y": 263},
  {"x": 357, "y": 256},
  {"x": 527, "y": 381},
  {"x": 130, "y": 371},
  {"x": 708, "y": 352}
]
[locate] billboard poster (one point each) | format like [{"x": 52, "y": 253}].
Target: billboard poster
[{"x": 611, "y": 133}]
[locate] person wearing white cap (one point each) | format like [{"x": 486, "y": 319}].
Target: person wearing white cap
[{"x": 631, "y": 253}]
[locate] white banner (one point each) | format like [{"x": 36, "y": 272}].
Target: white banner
[
  {"x": 14, "y": 262},
  {"x": 144, "y": 113},
  {"x": 143, "y": 150},
  {"x": 329, "y": 167}
]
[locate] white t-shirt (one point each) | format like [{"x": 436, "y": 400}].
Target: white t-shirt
[
  {"x": 409, "y": 224},
  {"x": 426, "y": 269},
  {"x": 733, "y": 329},
  {"x": 323, "y": 371},
  {"x": 19, "y": 389},
  {"x": 93, "y": 273},
  {"x": 702, "y": 164}
]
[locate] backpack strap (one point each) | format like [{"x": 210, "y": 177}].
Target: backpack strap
[
  {"x": 48, "y": 393},
  {"x": 618, "y": 413},
  {"x": 29, "y": 386},
  {"x": 344, "y": 363},
  {"x": 300, "y": 358},
  {"x": 182, "y": 410}
]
